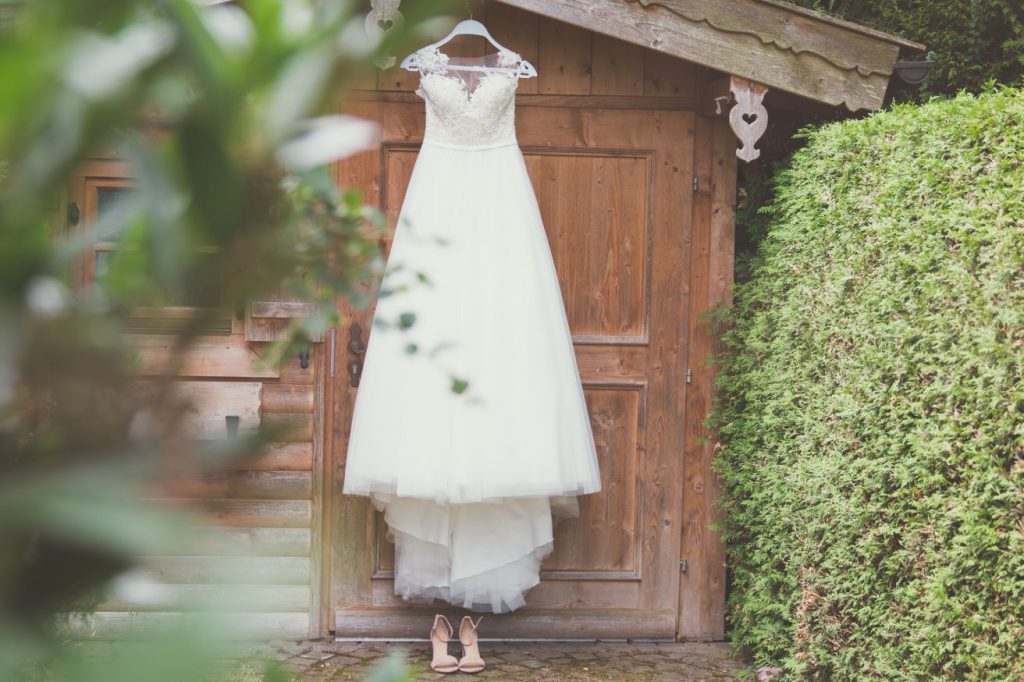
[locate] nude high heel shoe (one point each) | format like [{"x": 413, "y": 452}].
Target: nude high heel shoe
[
  {"x": 440, "y": 634},
  {"x": 470, "y": 661}
]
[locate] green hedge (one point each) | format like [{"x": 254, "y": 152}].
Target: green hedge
[{"x": 872, "y": 402}]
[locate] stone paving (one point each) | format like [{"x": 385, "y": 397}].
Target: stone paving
[{"x": 518, "y": 661}]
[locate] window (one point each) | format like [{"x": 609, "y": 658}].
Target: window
[
  {"x": 92, "y": 196},
  {"x": 101, "y": 198}
]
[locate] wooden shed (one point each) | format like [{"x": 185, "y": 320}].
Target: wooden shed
[{"x": 632, "y": 134}]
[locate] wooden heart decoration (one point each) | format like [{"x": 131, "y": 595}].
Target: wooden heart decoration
[
  {"x": 748, "y": 118},
  {"x": 382, "y": 17}
]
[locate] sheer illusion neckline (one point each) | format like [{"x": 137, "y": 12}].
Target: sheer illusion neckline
[
  {"x": 434, "y": 62},
  {"x": 468, "y": 94}
]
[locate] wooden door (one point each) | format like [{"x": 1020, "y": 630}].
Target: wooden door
[{"x": 615, "y": 188}]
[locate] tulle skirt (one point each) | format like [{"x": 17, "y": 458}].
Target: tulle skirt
[{"x": 470, "y": 427}]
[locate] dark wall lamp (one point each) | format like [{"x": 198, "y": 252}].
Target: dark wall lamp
[{"x": 914, "y": 73}]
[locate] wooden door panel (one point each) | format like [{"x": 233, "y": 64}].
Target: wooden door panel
[
  {"x": 614, "y": 188},
  {"x": 601, "y": 200},
  {"x": 602, "y": 543},
  {"x": 399, "y": 160},
  {"x": 384, "y": 565}
]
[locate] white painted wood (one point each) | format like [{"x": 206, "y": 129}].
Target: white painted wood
[
  {"x": 208, "y": 404},
  {"x": 228, "y": 626},
  {"x": 139, "y": 592},
  {"x": 748, "y": 117},
  {"x": 226, "y": 570},
  {"x": 211, "y": 356}
]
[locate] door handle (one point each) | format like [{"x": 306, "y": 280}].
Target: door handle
[{"x": 356, "y": 351}]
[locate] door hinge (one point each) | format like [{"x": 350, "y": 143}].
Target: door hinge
[
  {"x": 689, "y": 375},
  {"x": 683, "y": 565},
  {"x": 696, "y": 183},
  {"x": 74, "y": 214}
]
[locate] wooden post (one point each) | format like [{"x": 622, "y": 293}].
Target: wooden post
[{"x": 702, "y": 576}]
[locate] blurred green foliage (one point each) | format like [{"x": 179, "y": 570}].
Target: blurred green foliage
[
  {"x": 973, "y": 41},
  {"x": 226, "y": 116},
  {"x": 872, "y": 404}
]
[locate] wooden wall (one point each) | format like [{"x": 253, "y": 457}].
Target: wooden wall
[
  {"x": 254, "y": 559},
  {"x": 264, "y": 541},
  {"x": 580, "y": 70}
]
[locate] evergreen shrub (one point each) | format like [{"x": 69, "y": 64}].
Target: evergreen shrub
[
  {"x": 972, "y": 41},
  {"x": 871, "y": 404}
]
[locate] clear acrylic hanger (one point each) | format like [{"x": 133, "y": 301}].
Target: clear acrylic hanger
[{"x": 471, "y": 27}]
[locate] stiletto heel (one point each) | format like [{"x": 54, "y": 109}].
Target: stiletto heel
[
  {"x": 440, "y": 634},
  {"x": 471, "y": 662}
]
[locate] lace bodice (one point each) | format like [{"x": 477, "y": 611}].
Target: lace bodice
[{"x": 462, "y": 115}]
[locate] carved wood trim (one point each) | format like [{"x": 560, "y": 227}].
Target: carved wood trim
[
  {"x": 797, "y": 53},
  {"x": 382, "y": 17},
  {"x": 748, "y": 118}
]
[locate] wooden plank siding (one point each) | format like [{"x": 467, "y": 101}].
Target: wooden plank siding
[{"x": 256, "y": 555}]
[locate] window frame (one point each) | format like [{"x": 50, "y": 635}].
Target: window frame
[{"x": 82, "y": 192}]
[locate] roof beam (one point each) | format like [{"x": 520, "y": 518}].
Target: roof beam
[{"x": 798, "y": 52}]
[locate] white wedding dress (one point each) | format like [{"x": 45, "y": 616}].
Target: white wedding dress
[{"x": 470, "y": 427}]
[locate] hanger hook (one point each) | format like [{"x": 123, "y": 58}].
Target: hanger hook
[{"x": 469, "y": 9}]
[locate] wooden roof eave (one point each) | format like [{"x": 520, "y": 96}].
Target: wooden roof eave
[{"x": 782, "y": 46}]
